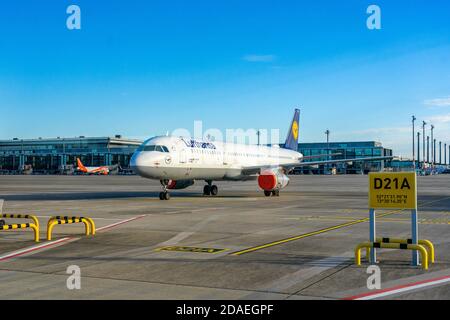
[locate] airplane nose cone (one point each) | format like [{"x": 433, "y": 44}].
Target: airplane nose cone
[
  {"x": 136, "y": 162},
  {"x": 146, "y": 164}
]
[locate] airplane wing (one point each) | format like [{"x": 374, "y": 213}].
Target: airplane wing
[
  {"x": 321, "y": 155},
  {"x": 367, "y": 159},
  {"x": 257, "y": 169},
  {"x": 248, "y": 171}
]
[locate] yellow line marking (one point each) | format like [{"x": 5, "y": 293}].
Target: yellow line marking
[
  {"x": 338, "y": 218},
  {"x": 309, "y": 234},
  {"x": 271, "y": 244}
]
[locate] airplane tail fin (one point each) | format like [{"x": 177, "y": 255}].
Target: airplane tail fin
[
  {"x": 292, "y": 137},
  {"x": 81, "y": 167}
]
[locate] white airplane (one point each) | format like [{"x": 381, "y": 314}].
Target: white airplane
[{"x": 177, "y": 162}]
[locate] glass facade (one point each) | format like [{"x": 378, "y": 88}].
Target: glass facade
[
  {"x": 343, "y": 150},
  {"x": 57, "y": 155}
]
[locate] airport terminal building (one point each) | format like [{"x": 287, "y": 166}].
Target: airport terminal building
[
  {"x": 58, "y": 155},
  {"x": 344, "y": 150}
]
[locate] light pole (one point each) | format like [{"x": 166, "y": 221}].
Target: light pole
[
  {"x": 22, "y": 160},
  {"x": 434, "y": 150},
  {"x": 440, "y": 152},
  {"x": 423, "y": 146},
  {"x": 433, "y": 158},
  {"x": 428, "y": 149},
  {"x": 418, "y": 149},
  {"x": 328, "y": 145},
  {"x": 445, "y": 154},
  {"x": 413, "y": 149}
]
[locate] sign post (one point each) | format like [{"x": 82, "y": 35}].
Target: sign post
[
  {"x": 396, "y": 190},
  {"x": 372, "y": 235},
  {"x": 414, "y": 237}
]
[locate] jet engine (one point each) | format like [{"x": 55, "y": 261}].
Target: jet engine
[
  {"x": 271, "y": 181},
  {"x": 179, "y": 184}
]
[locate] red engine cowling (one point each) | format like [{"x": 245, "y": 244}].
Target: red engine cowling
[
  {"x": 269, "y": 180},
  {"x": 179, "y": 184}
]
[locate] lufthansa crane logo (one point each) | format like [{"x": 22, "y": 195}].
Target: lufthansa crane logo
[{"x": 295, "y": 129}]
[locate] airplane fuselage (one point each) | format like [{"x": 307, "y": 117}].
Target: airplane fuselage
[
  {"x": 178, "y": 158},
  {"x": 97, "y": 170}
]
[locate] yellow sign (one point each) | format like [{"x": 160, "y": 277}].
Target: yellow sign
[
  {"x": 191, "y": 249},
  {"x": 392, "y": 190}
]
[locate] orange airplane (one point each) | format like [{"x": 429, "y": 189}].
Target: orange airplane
[{"x": 92, "y": 170}]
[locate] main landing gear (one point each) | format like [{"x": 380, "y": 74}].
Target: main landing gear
[
  {"x": 275, "y": 193},
  {"x": 164, "y": 195},
  {"x": 210, "y": 189}
]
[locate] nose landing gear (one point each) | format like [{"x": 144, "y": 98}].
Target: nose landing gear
[{"x": 164, "y": 195}]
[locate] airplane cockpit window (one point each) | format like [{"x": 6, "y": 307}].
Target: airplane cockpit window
[
  {"x": 161, "y": 149},
  {"x": 153, "y": 148}
]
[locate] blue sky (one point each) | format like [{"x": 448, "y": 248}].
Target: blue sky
[{"x": 141, "y": 68}]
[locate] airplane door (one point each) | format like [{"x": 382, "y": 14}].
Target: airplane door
[
  {"x": 183, "y": 156},
  {"x": 227, "y": 157}
]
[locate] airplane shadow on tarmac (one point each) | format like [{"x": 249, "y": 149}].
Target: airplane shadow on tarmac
[
  {"x": 106, "y": 195},
  {"x": 308, "y": 261}
]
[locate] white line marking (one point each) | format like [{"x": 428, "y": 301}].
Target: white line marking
[
  {"x": 400, "y": 289},
  {"x": 33, "y": 249},
  {"x": 109, "y": 226}
]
